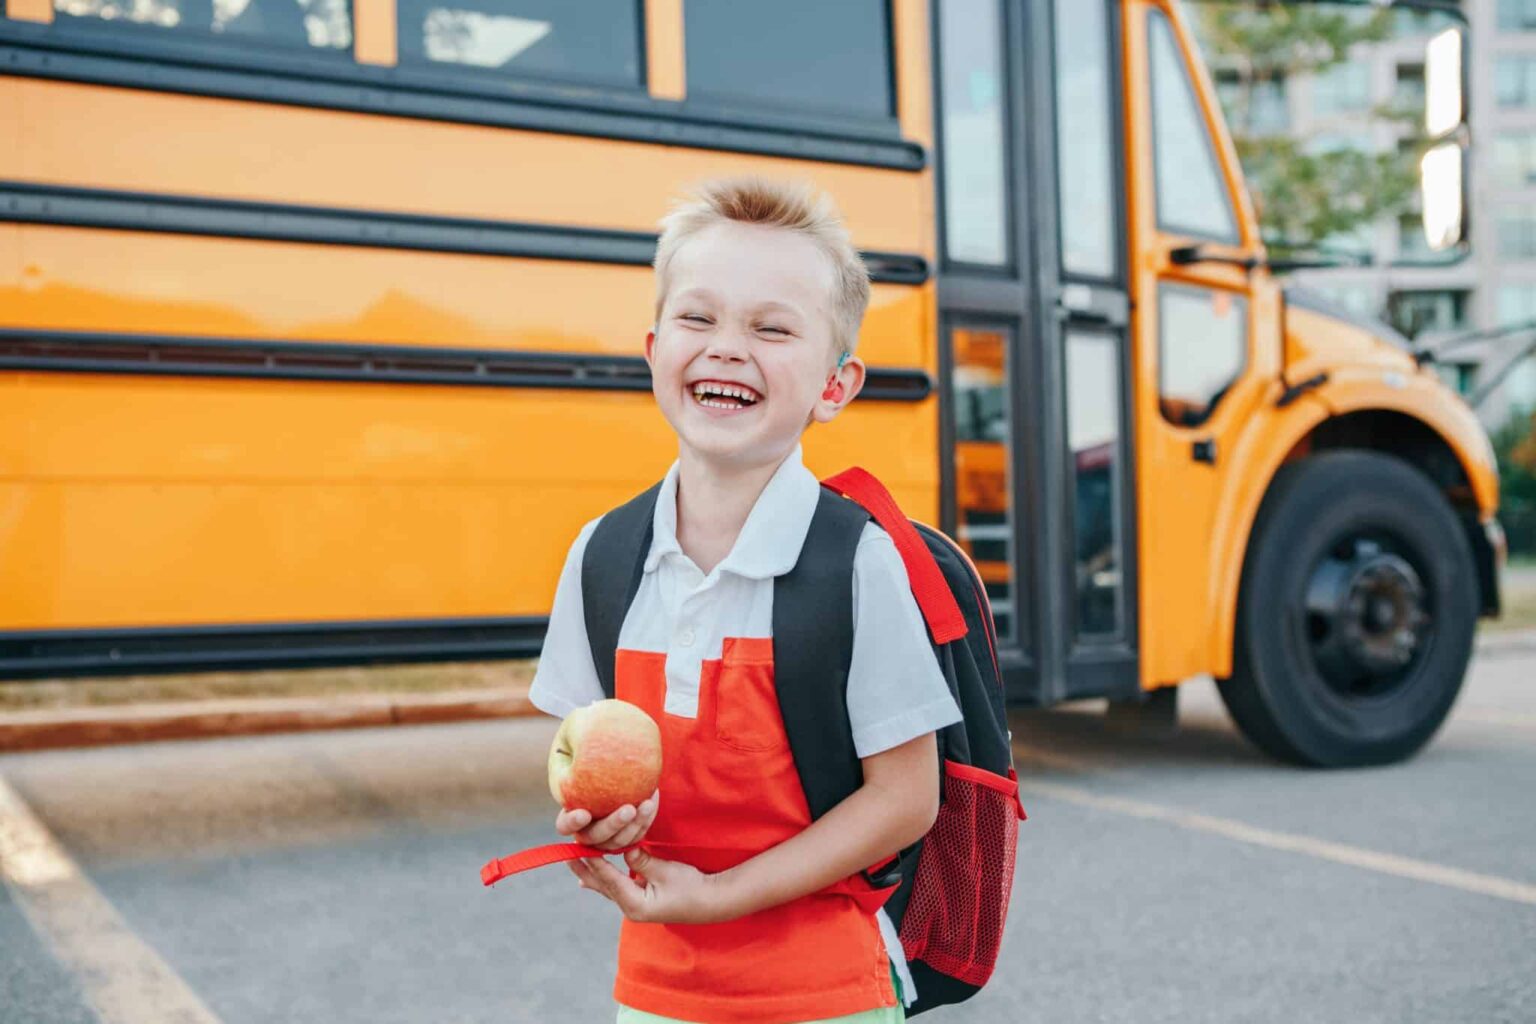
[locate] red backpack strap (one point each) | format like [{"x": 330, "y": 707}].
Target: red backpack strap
[
  {"x": 537, "y": 857},
  {"x": 942, "y": 613}
]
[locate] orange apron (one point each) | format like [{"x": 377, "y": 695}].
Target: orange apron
[{"x": 729, "y": 790}]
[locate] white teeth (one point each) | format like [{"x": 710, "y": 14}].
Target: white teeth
[{"x": 705, "y": 389}]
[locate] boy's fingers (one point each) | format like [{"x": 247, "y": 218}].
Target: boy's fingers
[
  {"x": 615, "y": 884},
  {"x": 604, "y": 830},
  {"x": 569, "y": 822},
  {"x": 627, "y": 837}
]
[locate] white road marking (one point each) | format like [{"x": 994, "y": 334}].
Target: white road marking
[
  {"x": 1513, "y": 719},
  {"x": 1340, "y": 853},
  {"x": 124, "y": 980}
]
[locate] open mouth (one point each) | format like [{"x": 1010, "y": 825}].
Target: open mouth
[{"x": 715, "y": 395}]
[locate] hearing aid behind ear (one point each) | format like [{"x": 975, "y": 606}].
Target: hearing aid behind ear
[{"x": 834, "y": 390}]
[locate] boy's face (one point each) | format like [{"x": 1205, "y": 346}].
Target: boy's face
[{"x": 749, "y": 306}]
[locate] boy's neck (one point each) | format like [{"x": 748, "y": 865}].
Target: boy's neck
[{"x": 713, "y": 502}]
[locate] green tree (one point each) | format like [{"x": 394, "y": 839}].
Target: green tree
[
  {"x": 1515, "y": 447},
  {"x": 1304, "y": 198}
]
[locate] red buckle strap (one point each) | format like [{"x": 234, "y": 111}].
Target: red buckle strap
[
  {"x": 940, "y": 610},
  {"x": 539, "y": 856}
]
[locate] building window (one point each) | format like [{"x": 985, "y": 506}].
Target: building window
[
  {"x": 300, "y": 24},
  {"x": 1514, "y": 81},
  {"x": 1342, "y": 89},
  {"x": 1415, "y": 312},
  {"x": 1411, "y": 244},
  {"x": 1517, "y": 303},
  {"x": 1517, "y": 13},
  {"x": 596, "y": 42},
  {"x": 763, "y": 55},
  {"x": 1514, "y": 159},
  {"x": 1459, "y": 377},
  {"x": 1409, "y": 91},
  {"x": 1359, "y": 299},
  {"x": 1520, "y": 387},
  {"x": 1414, "y": 23},
  {"x": 1517, "y": 232},
  {"x": 1258, "y": 108}
]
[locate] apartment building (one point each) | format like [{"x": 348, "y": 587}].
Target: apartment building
[{"x": 1496, "y": 284}]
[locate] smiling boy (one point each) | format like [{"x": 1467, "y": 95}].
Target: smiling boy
[{"x": 741, "y": 907}]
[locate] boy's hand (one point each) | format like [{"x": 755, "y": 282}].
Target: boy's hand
[
  {"x": 622, "y": 828},
  {"x": 669, "y": 892}
]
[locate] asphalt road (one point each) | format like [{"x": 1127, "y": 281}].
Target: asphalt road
[{"x": 334, "y": 877}]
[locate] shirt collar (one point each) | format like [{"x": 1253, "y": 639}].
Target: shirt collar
[{"x": 770, "y": 540}]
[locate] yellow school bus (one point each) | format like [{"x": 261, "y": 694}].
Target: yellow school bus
[{"x": 321, "y": 322}]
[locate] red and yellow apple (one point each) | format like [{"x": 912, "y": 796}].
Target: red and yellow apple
[{"x": 605, "y": 755}]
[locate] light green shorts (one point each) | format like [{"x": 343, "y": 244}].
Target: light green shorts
[{"x": 880, "y": 1015}]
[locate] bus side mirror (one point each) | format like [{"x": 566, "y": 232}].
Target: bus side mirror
[{"x": 1442, "y": 177}]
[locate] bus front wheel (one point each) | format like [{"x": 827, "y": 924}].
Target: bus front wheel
[{"x": 1356, "y": 614}]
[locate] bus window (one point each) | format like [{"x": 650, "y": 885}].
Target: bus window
[
  {"x": 808, "y": 55},
  {"x": 305, "y": 24},
  {"x": 975, "y": 200},
  {"x": 1191, "y": 199},
  {"x": 1093, "y": 437},
  {"x": 983, "y": 457},
  {"x": 594, "y": 41},
  {"x": 1202, "y": 346},
  {"x": 1083, "y": 144}
]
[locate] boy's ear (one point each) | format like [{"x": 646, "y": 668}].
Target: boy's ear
[
  {"x": 650, "y": 345},
  {"x": 851, "y": 377}
]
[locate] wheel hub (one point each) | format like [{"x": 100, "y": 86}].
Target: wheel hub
[{"x": 1366, "y": 616}]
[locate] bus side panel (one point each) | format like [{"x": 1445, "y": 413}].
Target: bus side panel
[
  {"x": 120, "y": 281},
  {"x": 246, "y": 151},
  {"x": 129, "y": 501}
]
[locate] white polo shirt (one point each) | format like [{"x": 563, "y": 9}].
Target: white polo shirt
[{"x": 895, "y": 689}]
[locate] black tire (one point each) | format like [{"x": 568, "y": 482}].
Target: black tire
[{"x": 1309, "y": 683}]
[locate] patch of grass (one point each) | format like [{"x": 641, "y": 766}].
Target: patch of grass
[
  {"x": 41, "y": 694},
  {"x": 1519, "y": 611}
]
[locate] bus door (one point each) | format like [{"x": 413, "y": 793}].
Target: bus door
[
  {"x": 1201, "y": 319},
  {"x": 1033, "y": 318}
]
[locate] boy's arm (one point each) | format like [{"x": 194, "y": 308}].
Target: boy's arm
[
  {"x": 894, "y": 807},
  {"x": 565, "y": 678}
]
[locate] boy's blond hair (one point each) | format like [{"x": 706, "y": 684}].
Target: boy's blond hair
[{"x": 797, "y": 206}]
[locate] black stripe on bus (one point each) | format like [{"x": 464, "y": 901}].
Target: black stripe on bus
[
  {"x": 189, "y": 356},
  {"x": 42, "y": 653},
  {"x": 97, "y": 55},
  {"x": 232, "y": 218}
]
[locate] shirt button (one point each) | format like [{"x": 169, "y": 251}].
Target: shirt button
[{"x": 685, "y": 638}]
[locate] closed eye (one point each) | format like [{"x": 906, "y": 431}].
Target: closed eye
[{"x": 777, "y": 330}]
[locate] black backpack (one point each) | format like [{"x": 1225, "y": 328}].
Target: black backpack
[{"x": 954, "y": 883}]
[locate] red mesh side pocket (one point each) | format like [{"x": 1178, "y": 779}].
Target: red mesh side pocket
[{"x": 954, "y": 919}]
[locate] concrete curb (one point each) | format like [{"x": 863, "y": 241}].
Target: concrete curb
[
  {"x": 1511, "y": 643},
  {"x": 144, "y": 723}
]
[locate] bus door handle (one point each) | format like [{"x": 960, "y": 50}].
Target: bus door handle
[{"x": 1107, "y": 306}]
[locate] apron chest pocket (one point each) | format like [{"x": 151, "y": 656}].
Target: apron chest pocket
[{"x": 747, "y": 714}]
